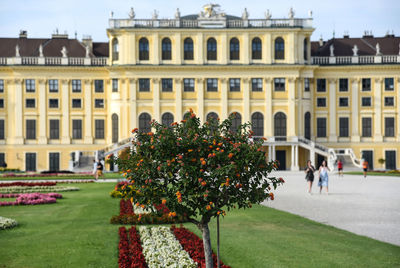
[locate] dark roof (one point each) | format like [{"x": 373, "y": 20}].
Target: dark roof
[
  {"x": 29, "y": 47},
  {"x": 389, "y": 45}
]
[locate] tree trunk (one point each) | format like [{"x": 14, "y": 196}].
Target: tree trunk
[
  {"x": 218, "y": 262},
  {"x": 207, "y": 245}
]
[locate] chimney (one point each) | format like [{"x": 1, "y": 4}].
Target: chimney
[
  {"x": 321, "y": 42},
  {"x": 346, "y": 34},
  {"x": 368, "y": 34},
  {"x": 87, "y": 41},
  {"x": 23, "y": 34},
  {"x": 57, "y": 35}
]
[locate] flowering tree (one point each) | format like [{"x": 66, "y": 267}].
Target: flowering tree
[{"x": 198, "y": 170}]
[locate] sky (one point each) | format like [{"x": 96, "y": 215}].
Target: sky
[{"x": 88, "y": 17}]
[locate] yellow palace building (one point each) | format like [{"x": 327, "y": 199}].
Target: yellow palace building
[{"x": 64, "y": 102}]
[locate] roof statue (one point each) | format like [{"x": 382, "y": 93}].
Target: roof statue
[
  {"x": 399, "y": 49},
  {"x": 64, "y": 52},
  {"x": 87, "y": 48},
  {"x": 245, "y": 14},
  {"x": 177, "y": 14},
  {"x": 111, "y": 14},
  {"x": 268, "y": 15},
  {"x": 131, "y": 14},
  {"x": 155, "y": 15},
  {"x": 310, "y": 13},
  {"x": 211, "y": 11},
  {"x": 291, "y": 13},
  {"x": 355, "y": 50},
  {"x": 17, "y": 51},
  {"x": 331, "y": 48},
  {"x": 41, "y": 51},
  {"x": 378, "y": 49}
]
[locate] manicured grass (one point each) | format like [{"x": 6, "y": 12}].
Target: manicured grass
[
  {"x": 372, "y": 173},
  {"x": 69, "y": 177},
  {"x": 75, "y": 232}
]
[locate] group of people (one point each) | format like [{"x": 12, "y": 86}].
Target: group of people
[
  {"x": 97, "y": 169},
  {"x": 323, "y": 174}
]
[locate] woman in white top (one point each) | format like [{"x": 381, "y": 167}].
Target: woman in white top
[{"x": 323, "y": 176}]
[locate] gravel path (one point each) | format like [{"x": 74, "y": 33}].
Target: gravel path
[{"x": 369, "y": 207}]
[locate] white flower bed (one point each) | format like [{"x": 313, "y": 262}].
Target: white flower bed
[
  {"x": 140, "y": 210},
  {"x": 161, "y": 249},
  {"x": 6, "y": 223},
  {"x": 36, "y": 189}
]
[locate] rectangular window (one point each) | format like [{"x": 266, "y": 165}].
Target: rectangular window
[
  {"x": 99, "y": 103},
  {"x": 53, "y": 103},
  {"x": 366, "y": 125},
  {"x": 77, "y": 129},
  {"x": 166, "y": 84},
  {"x": 212, "y": 84},
  {"x": 389, "y": 84},
  {"x": 99, "y": 129},
  {"x": 321, "y": 85},
  {"x": 144, "y": 85},
  {"x": 343, "y": 102},
  {"x": 343, "y": 84},
  {"x": 389, "y": 126},
  {"x": 76, "y": 86},
  {"x": 366, "y": 101},
  {"x": 53, "y": 86},
  {"x": 234, "y": 84},
  {"x": 115, "y": 85},
  {"x": 30, "y": 103},
  {"x": 1, "y": 103},
  {"x": 2, "y": 159},
  {"x": 389, "y": 101},
  {"x": 76, "y": 103},
  {"x": 30, "y": 129},
  {"x": 306, "y": 84},
  {"x": 54, "y": 129},
  {"x": 343, "y": 127},
  {"x": 390, "y": 157},
  {"x": 256, "y": 84},
  {"x": 2, "y": 130},
  {"x": 279, "y": 84},
  {"x": 188, "y": 84},
  {"x": 30, "y": 162},
  {"x": 366, "y": 84},
  {"x": 1, "y": 85},
  {"x": 321, "y": 102},
  {"x": 321, "y": 127},
  {"x": 54, "y": 161},
  {"x": 30, "y": 85},
  {"x": 98, "y": 86}
]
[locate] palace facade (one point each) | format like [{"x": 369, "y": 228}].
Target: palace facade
[{"x": 64, "y": 101}]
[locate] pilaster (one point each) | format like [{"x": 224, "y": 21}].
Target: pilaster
[
  {"x": 88, "y": 138},
  {"x": 291, "y": 130},
  {"x": 178, "y": 99},
  {"x": 223, "y": 50},
  {"x": 125, "y": 109},
  {"x": 42, "y": 112},
  {"x": 18, "y": 120},
  {"x": 178, "y": 48},
  {"x": 132, "y": 103},
  {"x": 268, "y": 107},
  {"x": 65, "y": 121},
  {"x": 224, "y": 98},
  {"x": 377, "y": 103},
  {"x": 355, "y": 134},
  {"x": 267, "y": 52},
  {"x": 300, "y": 113},
  {"x": 156, "y": 99},
  {"x": 199, "y": 49},
  {"x": 246, "y": 100},
  {"x": 245, "y": 50},
  {"x": 156, "y": 49},
  {"x": 332, "y": 110},
  {"x": 200, "y": 98}
]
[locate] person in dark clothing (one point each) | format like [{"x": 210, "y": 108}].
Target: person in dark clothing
[{"x": 310, "y": 169}]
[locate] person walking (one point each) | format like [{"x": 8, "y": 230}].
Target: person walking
[
  {"x": 94, "y": 169},
  {"x": 323, "y": 176},
  {"x": 340, "y": 167},
  {"x": 99, "y": 172},
  {"x": 365, "y": 167},
  {"x": 310, "y": 169}
]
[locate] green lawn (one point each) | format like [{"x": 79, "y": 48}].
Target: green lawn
[
  {"x": 372, "y": 173},
  {"x": 69, "y": 177},
  {"x": 75, "y": 232}
]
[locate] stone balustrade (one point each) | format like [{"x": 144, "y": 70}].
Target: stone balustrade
[
  {"x": 70, "y": 61},
  {"x": 348, "y": 60}
]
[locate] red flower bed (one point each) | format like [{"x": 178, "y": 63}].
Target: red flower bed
[
  {"x": 194, "y": 246},
  {"x": 27, "y": 184},
  {"x": 130, "y": 250},
  {"x": 125, "y": 207}
]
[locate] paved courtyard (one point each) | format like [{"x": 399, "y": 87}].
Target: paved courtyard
[{"x": 369, "y": 207}]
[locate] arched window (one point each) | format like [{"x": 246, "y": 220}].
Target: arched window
[
  {"x": 167, "y": 119},
  {"x": 236, "y": 122},
  {"x": 305, "y": 47},
  {"x": 256, "y": 48},
  {"x": 114, "y": 128},
  {"x": 280, "y": 125},
  {"x": 211, "y": 49},
  {"x": 257, "y": 123},
  {"x": 144, "y": 122},
  {"x": 234, "y": 49},
  {"x": 143, "y": 49},
  {"x": 166, "y": 49},
  {"x": 212, "y": 115},
  {"x": 188, "y": 49},
  {"x": 115, "y": 49},
  {"x": 279, "y": 48},
  {"x": 307, "y": 125}
]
